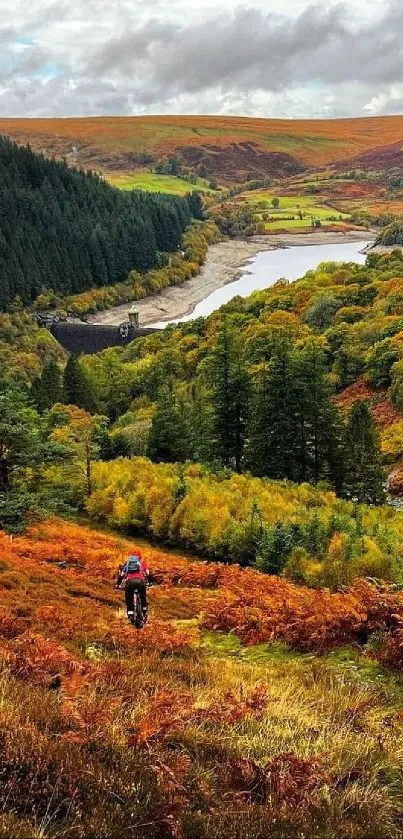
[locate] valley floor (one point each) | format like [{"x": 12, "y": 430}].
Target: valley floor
[
  {"x": 226, "y": 262},
  {"x": 180, "y": 731}
]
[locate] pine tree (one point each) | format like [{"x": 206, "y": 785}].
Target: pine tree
[
  {"x": 320, "y": 428},
  {"x": 168, "y": 438},
  {"x": 200, "y": 424},
  {"x": 363, "y": 474},
  {"x": 230, "y": 396},
  {"x": 196, "y": 205},
  {"x": 47, "y": 389},
  {"x": 258, "y": 450},
  {"x": 274, "y": 444},
  {"x": 76, "y": 386}
]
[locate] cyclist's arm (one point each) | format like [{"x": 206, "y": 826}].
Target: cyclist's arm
[
  {"x": 149, "y": 577},
  {"x": 147, "y": 572},
  {"x": 121, "y": 575}
]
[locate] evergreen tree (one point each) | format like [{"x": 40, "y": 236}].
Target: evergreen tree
[
  {"x": 81, "y": 434},
  {"x": 320, "y": 427},
  {"x": 76, "y": 386},
  {"x": 294, "y": 430},
  {"x": 230, "y": 396},
  {"x": 196, "y": 205},
  {"x": 274, "y": 444},
  {"x": 47, "y": 389},
  {"x": 200, "y": 419},
  {"x": 168, "y": 438},
  {"x": 363, "y": 474}
]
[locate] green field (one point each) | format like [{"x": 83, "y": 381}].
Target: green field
[
  {"x": 293, "y": 212},
  {"x": 154, "y": 183}
]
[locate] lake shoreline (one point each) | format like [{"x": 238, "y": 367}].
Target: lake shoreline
[
  {"x": 381, "y": 249},
  {"x": 226, "y": 262}
]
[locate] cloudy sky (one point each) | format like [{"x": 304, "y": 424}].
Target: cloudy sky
[{"x": 281, "y": 58}]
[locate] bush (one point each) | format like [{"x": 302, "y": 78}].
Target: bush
[
  {"x": 380, "y": 361},
  {"x": 322, "y": 311}
]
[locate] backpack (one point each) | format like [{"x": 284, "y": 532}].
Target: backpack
[{"x": 133, "y": 565}]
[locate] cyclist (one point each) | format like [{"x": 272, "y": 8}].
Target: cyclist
[{"x": 136, "y": 575}]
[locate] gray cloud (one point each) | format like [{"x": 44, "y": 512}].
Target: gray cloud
[
  {"x": 128, "y": 57},
  {"x": 254, "y": 49}
]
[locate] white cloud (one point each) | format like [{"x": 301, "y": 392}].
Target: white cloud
[{"x": 385, "y": 100}]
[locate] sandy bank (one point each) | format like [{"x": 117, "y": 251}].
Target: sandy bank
[
  {"x": 381, "y": 248},
  {"x": 225, "y": 262}
]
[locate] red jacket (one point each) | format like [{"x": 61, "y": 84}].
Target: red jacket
[{"x": 137, "y": 575}]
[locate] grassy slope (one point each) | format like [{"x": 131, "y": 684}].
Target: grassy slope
[
  {"x": 176, "y": 732},
  {"x": 154, "y": 183},
  {"x": 314, "y": 142}
]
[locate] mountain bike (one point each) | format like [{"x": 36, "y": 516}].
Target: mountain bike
[
  {"x": 137, "y": 619},
  {"x": 139, "y": 616}
]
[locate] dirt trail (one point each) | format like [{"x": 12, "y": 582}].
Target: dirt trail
[{"x": 225, "y": 263}]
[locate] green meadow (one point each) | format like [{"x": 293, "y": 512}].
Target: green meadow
[
  {"x": 154, "y": 183},
  {"x": 293, "y": 212}
]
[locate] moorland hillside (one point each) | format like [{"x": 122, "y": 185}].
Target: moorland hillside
[{"x": 227, "y": 147}]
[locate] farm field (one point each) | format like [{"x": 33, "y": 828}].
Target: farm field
[
  {"x": 294, "y": 212},
  {"x": 343, "y": 197},
  {"x": 199, "y": 725},
  {"x": 154, "y": 183}
]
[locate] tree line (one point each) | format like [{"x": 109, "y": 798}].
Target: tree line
[
  {"x": 276, "y": 421},
  {"x": 67, "y": 230}
]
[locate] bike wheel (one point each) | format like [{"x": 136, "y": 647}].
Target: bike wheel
[{"x": 138, "y": 615}]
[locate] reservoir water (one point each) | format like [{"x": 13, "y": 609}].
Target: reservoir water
[{"x": 269, "y": 266}]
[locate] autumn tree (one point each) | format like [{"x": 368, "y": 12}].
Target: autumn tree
[
  {"x": 396, "y": 390},
  {"x": 81, "y": 434},
  {"x": 380, "y": 361},
  {"x": 322, "y": 311}
]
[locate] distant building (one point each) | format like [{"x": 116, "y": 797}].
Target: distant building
[
  {"x": 134, "y": 317},
  {"x": 88, "y": 338}
]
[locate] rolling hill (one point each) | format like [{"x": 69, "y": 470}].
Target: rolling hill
[{"x": 229, "y": 147}]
